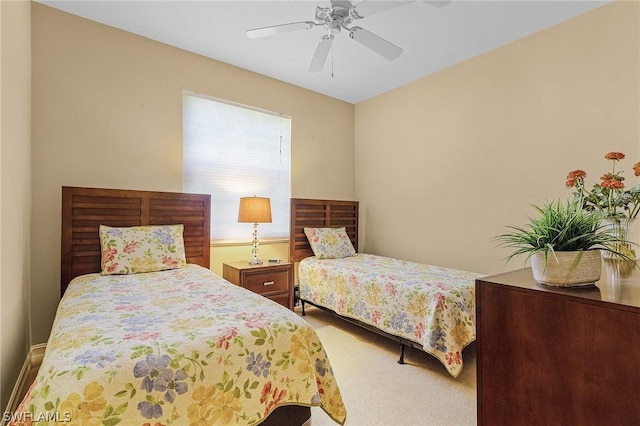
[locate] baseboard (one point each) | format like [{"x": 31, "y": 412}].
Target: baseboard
[{"x": 25, "y": 378}]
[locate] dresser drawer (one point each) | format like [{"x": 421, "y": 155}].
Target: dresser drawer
[{"x": 267, "y": 282}]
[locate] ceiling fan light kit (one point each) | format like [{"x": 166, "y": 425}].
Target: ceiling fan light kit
[{"x": 333, "y": 19}]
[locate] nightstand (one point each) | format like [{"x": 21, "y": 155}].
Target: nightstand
[{"x": 271, "y": 280}]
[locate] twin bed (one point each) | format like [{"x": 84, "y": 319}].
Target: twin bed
[
  {"x": 423, "y": 306},
  {"x": 145, "y": 333}
]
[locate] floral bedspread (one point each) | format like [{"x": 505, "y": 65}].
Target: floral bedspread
[
  {"x": 181, "y": 347},
  {"x": 430, "y": 305}
]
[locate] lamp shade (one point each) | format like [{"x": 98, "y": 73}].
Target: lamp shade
[{"x": 254, "y": 210}]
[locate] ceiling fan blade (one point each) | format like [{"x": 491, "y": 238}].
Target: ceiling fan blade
[
  {"x": 376, "y": 43},
  {"x": 436, "y": 3},
  {"x": 278, "y": 29},
  {"x": 368, "y": 8},
  {"x": 321, "y": 53}
]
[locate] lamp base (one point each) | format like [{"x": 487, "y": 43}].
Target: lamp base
[{"x": 255, "y": 260}]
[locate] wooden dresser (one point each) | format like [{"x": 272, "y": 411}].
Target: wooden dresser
[
  {"x": 550, "y": 356},
  {"x": 272, "y": 280}
]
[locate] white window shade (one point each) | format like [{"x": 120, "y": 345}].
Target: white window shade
[{"x": 232, "y": 151}]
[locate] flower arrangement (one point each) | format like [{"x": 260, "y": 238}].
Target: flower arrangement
[{"x": 609, "y": 196}]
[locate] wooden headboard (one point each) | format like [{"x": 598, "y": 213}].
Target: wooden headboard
[
  {"x": 85, "y": 209},
  {"x": 319, "y": 214}
]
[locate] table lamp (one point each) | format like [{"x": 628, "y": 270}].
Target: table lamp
[{"x": 254, "y": 210}]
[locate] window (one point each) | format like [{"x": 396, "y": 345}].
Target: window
[{"x": 232, "y": 151}]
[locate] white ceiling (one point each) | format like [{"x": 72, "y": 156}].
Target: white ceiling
[{"x": 433, "y": 38}]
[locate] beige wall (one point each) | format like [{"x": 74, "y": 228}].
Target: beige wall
[
  {"x": 441, "y": 165},
  {"x": 15, "y": 169},
  {"x": 107, "y": 112},
  {"x": 444, "y": 163}
]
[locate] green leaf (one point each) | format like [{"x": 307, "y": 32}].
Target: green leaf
[
  {"x": 120, "y": 409},
  {"x": 108, "y": 411},
  {"x": 559, "y": 227}
]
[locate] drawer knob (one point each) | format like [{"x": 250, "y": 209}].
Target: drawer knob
[{"x": 266, "y": 283}]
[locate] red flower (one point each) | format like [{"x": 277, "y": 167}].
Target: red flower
[
  {"x": 131, "y": 247},
  {"x": 574, "y": 177},
  {"x": 266, "y": 390},
  {"x": 614, "y": 156},
  {"x": 277, "y": 396},
  {"x": 109, "y": 254},
  {"x": 453, "y": 358},
  {"x": 169, "y": 261},
  {"x": 612, "y": 184},
  {"x": 229, "y": 334},
  {"x": 577, "y": 174},
  {"x": 609, "y": 195},
  {"x": 609, "y": 176}
]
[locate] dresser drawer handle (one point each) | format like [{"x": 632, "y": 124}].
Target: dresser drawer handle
[{"x": 266, "y": 283}]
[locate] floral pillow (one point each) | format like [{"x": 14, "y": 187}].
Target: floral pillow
[
  {"x": 329, "y": 243},
  {"x": 141, "y": 249}
]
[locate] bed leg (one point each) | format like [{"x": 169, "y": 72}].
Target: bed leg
[
  {"x": 302, "y": 304},
  {"x": 401, "y": 360}
]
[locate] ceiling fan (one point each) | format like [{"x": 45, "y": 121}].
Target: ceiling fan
[{"x": 339, "y": 16}]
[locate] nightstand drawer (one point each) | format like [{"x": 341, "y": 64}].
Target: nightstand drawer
[
  {"x": 282, "y": 299},
  {"x": 274, "y": 281},
  {"x": 267, "y": 282}
]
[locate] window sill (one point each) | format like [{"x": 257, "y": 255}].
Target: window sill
[{"x": 247, "y": 243}]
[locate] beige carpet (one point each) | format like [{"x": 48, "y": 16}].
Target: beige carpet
[{"x": 378, "y": 391}]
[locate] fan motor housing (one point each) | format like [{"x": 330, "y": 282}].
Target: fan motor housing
[{"x": 335, "y": 16}]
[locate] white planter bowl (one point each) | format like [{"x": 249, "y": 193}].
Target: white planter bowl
[{"x": 564, "y": 272}]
